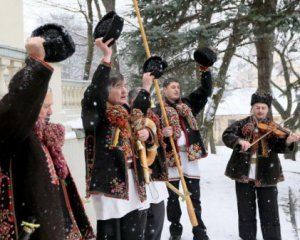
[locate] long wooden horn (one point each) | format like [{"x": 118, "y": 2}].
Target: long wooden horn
[{"x": 189, "y": 203}]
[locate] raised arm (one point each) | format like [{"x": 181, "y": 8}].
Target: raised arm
[
  {"x": 143, "y": 99},
  {"x": 198, "y": 98},
  {"x": 96, "y": 95},
  {"x": 20, "y": 107}
]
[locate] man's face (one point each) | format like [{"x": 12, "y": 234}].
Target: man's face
[
  {"x": 46, "y": 110},
  {"x": 118, "y": 94},
  {"x": 260, "y": 110},
  {"x": 172, "y": 91}
]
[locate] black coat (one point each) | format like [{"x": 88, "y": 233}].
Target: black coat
[
  {"x": 196, "y": 101},
  {"x": 24, "y": 171},
  {"x": 268, "y": 169},
  {"x": 106, "y": 166}
]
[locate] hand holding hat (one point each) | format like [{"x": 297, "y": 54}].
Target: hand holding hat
[
  {"x": 58, "y": 43},
  {"x": 34, "y": 46},
  {"x": 205, "y": 56},
  {"x": 155, "y": 65},
  {"x": 110, "y": 26}
]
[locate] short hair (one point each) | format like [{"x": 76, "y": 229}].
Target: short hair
[
  {"x": 113, "y": 80},
  {"x": 168, "y": 81}
]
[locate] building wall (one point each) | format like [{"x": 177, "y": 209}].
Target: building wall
[
  {"x": 12, "y": 55},
  {"x": 11, "y": 23}
]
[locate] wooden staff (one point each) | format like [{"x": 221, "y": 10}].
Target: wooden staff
[
  {"x": 143, "y": 159},
  {"x": 189, "y": 203}
]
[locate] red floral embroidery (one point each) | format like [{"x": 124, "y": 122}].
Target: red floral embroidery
[
  {"x": 186, "y": 112},
  {"x": 119, "y": 187},
  {"x": 74, "y": 233},
  {"x": 7, "y": 223},
  {"x": 194, "y": 152},
  {"x": 53, "y": 176}
]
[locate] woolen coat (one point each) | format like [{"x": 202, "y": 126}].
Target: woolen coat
[
  {"x": 268, "y": 168},
  {"x": 25, "y": 179}
]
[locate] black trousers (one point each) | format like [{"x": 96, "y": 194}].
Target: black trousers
[
  {"x": 129, "y": 227},
  {"x": 266, "y": 197},
  {"x": 174, "y": 211},
  {"x": 155, "y": 221}
]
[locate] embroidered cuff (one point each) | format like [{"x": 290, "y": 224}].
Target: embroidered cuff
[
  {"x": 47, "y": 65},
  {"x": 107, "y": 64}
]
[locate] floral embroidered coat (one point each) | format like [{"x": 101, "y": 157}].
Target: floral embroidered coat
[
  {"x": 25, "y": 180},
  {"x": 268, "y": 167},
  {"x": 107, "y": 166},
  {"x": 196, "y": 101}
]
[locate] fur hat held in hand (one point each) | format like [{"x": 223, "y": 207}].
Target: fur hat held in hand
[
  {"x": 205, "y": 56},
  {"x": 110, "y": 26},
  {"x": 156, "y": 65},
  {"x": 58, "y": 44}
]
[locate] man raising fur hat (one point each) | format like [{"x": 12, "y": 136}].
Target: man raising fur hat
[{"x": 39, "y": 199}]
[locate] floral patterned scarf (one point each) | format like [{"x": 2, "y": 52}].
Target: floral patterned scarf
[
  {"x": 118, "y": 116},
  {"x": 184, "y": 111},
  {"x": 53, "y": 137}
]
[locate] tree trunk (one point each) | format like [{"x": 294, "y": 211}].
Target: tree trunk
[
  {"x": 264, "y": 33},
  {"x": 110, "y": 5},
  {"x": 212, "y": 143},
  {"x": 205, "y": 19},
  {"x": 234, "y": 40},
  {"x": 98, "y": 9},
  {"x": 90, "y": 41}
]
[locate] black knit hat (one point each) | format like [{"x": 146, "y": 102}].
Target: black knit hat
[
  {"x": 261, "y": 98},
  {"x": 58, "y": 44},
  {"x": 156, "y": 65},
  {"x": 110, "y": 26},
  {"x": 205, "y": 56}
]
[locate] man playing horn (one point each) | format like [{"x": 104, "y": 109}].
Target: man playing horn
[{"x": 158, "y": 170}]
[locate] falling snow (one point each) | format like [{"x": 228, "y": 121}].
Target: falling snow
[{"x": 218, "y": 199}]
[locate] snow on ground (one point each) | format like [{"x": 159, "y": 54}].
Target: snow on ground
[{"x": 219, "y": 201}]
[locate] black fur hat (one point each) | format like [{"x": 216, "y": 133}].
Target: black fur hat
[
  {"x": 261, "y": 98},
  {"x": 110, "y": 26},
  {"x": 156, "y": 65},
  {"x": 205, "y": 56},
  {"x": 58, "y": 44}
]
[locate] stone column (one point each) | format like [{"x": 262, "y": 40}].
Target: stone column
[{"x": 3, "y": 86}]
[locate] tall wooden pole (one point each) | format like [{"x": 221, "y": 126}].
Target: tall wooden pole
[{"x": 189, "y": 203}]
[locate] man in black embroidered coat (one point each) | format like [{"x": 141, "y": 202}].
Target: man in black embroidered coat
[
  {"x": 256, "y": 170},
  {"x": 181, "y": 113},
  {"x": 25, "y": 178}
]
